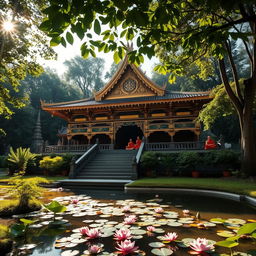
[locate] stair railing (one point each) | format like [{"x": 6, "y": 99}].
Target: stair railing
[
  {"x": 136, "y": 160},
  {"x": 78, "y": 164}
]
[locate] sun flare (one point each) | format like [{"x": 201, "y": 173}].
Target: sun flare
[{"x": 8, "y": 26}]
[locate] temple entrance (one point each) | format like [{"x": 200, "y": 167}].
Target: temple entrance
[
  {"x": 182, "y": 136},
  {"x": 125, "y": 133}
]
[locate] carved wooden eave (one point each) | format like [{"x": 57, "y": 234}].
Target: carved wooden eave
[{"x": 100, "y": 95}]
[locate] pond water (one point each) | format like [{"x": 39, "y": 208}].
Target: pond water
[{"x": 103, "y": 209}]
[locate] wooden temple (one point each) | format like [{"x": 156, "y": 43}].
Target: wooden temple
[{"x": 130, "y": 105}]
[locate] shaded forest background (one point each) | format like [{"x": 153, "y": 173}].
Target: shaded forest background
[{"x": 81, "y": 79}]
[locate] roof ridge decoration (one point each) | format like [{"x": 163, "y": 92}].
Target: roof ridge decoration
[
  {"x": 44, "y": 104},
  {"x": 101, "y": 94}
]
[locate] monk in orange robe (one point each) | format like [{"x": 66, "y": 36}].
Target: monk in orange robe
[
  {"x": 138, "y": 142},
  {"x": 210, "y": 143},
  {"x": 130, "y": 145}
]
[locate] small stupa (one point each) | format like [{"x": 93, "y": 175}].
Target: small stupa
[{"x": 37, "y": 140}]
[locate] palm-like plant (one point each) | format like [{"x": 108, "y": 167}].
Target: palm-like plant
[{"x": 20, "y": 159}]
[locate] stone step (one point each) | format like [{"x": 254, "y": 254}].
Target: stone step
[
  {"x": 104, "y": 173},
  {"x": 104, "y": 177},
  {"x": 102, "y": 165}
]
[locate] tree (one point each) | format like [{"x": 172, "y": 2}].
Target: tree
[
  {"x": 85, "y": 74},
  {"x": 112, "y": 70},
  {"x": 21, "y": 44},
  {"x": 180, "y": 33}
]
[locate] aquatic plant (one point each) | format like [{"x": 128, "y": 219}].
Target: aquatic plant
[
  {"x": 151, "y": 228},
  {"x": 55, "y": 207},
  {"x": 74, "y": 201},
  {"x": 126, "y": 208},
  {"x": 201, "y": 245},
  {"x": 84, "y": 231},
  {"x": 126, "y": 247},
  {"x": 95, "y": 249},
  {"x": 123, "y": 234},
  {"x": 93, "y": 233},
  {"x": 130, "y": 219},
  {"x": 170, "y": 237},
  {"x": 159, "y": 210}
]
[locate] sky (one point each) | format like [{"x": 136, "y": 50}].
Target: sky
[{"x": 70, "y": 51}]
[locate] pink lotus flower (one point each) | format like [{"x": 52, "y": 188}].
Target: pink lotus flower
[
  {"x": 123, "y": 234},
  {"x": 126, "y": 208},
  {"x": 94, "y": 249},
  {"x": 201, "y": 245},
  {"x": 75, "y": 201},
  {"x": 130, "y": 219},
  {"x": 93, "y": 233},
  {"x": 126, "y": 247},
  {"x": 151, "y": 228},
  {"x": 84, "y": 231},
  {"x": 186, "y": 212},
  {"x": 60, "y": 189},
  {"x": 170, "y": 237},
  {"x": 159, "y": 210}
]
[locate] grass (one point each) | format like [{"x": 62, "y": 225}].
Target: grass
[
  {"x": 51, "y": 179},
  {"x": 239, "y": 186}
]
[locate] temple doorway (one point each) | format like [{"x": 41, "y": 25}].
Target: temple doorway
[{"x": 125, "y": 133}]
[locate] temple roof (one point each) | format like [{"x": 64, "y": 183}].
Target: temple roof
[{"x": 168, "y": 97}]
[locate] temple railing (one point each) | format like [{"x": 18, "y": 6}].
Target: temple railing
[
  {"x": 66, "y": 148},
  {"x": 165, "y": 146},
  {"x": 136, "y": 160},
  {"x": 106, "y": 146}
]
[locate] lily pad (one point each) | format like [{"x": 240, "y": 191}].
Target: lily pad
[
  {"x": 156, "y": 244},
  {"x": 225, "y": 233},
  {"x": 70, "y": 253},
  {"x": 162, "y": 252}
]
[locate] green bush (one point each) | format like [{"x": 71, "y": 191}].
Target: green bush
[
  {"x": 227, "y": 158},
  {"x": 188, "y": 160},
  {"x": 51, "y": 164},
  {"x": 167, "y": 164},
  {"x": 5, "y": 241}
]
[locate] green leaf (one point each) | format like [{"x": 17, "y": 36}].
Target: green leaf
[
  {"x": 55, "y": 41},
  {"x": 254, "y": 235},
  {"x": 92, "y": 53},
  {"x": 227, "y": 244},
  {"x": 55, "y": 207},
  {"x": 97, "y": 28},
  {"x": 247, "y": 229},
  {"x": 17, "y": 230},
  {"x": 116, "y": 57},
  {"x": 69, "y": 38},
  {"x": 27, "y": 222}
]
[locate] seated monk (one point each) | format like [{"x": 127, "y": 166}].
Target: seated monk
[
  {"x": 138, "y": 142},
  {"x": 130, "y": 145},
  {"x": 210, "y": 143}
]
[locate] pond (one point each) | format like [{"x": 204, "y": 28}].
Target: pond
[{"x": 106, "y": 211}]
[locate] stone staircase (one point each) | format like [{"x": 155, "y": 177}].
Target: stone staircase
[{"x": 109, "y": 165}]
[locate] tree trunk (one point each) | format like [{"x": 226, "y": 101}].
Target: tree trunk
[{"x": 248, "y": 139}]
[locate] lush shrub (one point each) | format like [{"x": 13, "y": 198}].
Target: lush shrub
[
  {"x": 188, "y": 160},
  {"x": 149, "y": 162},
  {"x": 167, "y": 164},
  {"x": 18, "y": 160},
  {"x": 51, "y": 164},
  {"x": 26, "y": 189},
  {"x": 227, "y": 158}
]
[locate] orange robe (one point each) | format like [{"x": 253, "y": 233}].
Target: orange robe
[
  {"x": 210, "y": 144},
  {"x": 137, "y": 145},
  {"x": 130, "y": 145}
]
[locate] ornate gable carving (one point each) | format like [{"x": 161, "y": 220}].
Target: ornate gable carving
[
  {"x": 128, "y": 82},
  {"x": 129, "y": 86}
]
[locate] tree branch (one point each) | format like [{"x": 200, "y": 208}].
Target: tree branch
[
  {"x": 234, "y": 71},
  {"x": 234, "y": 99}
]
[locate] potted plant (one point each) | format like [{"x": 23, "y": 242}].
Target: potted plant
[
  {"x": 149, "y": 162},
  {"x": 188, "y": 161},
  {"x": 167, "y": 162},
  {"x": 226, "y": 160}
]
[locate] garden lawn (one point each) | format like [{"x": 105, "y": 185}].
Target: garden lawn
[
  {"x": 5, "y": 179},
  {"x": 239, "y": 186}
]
